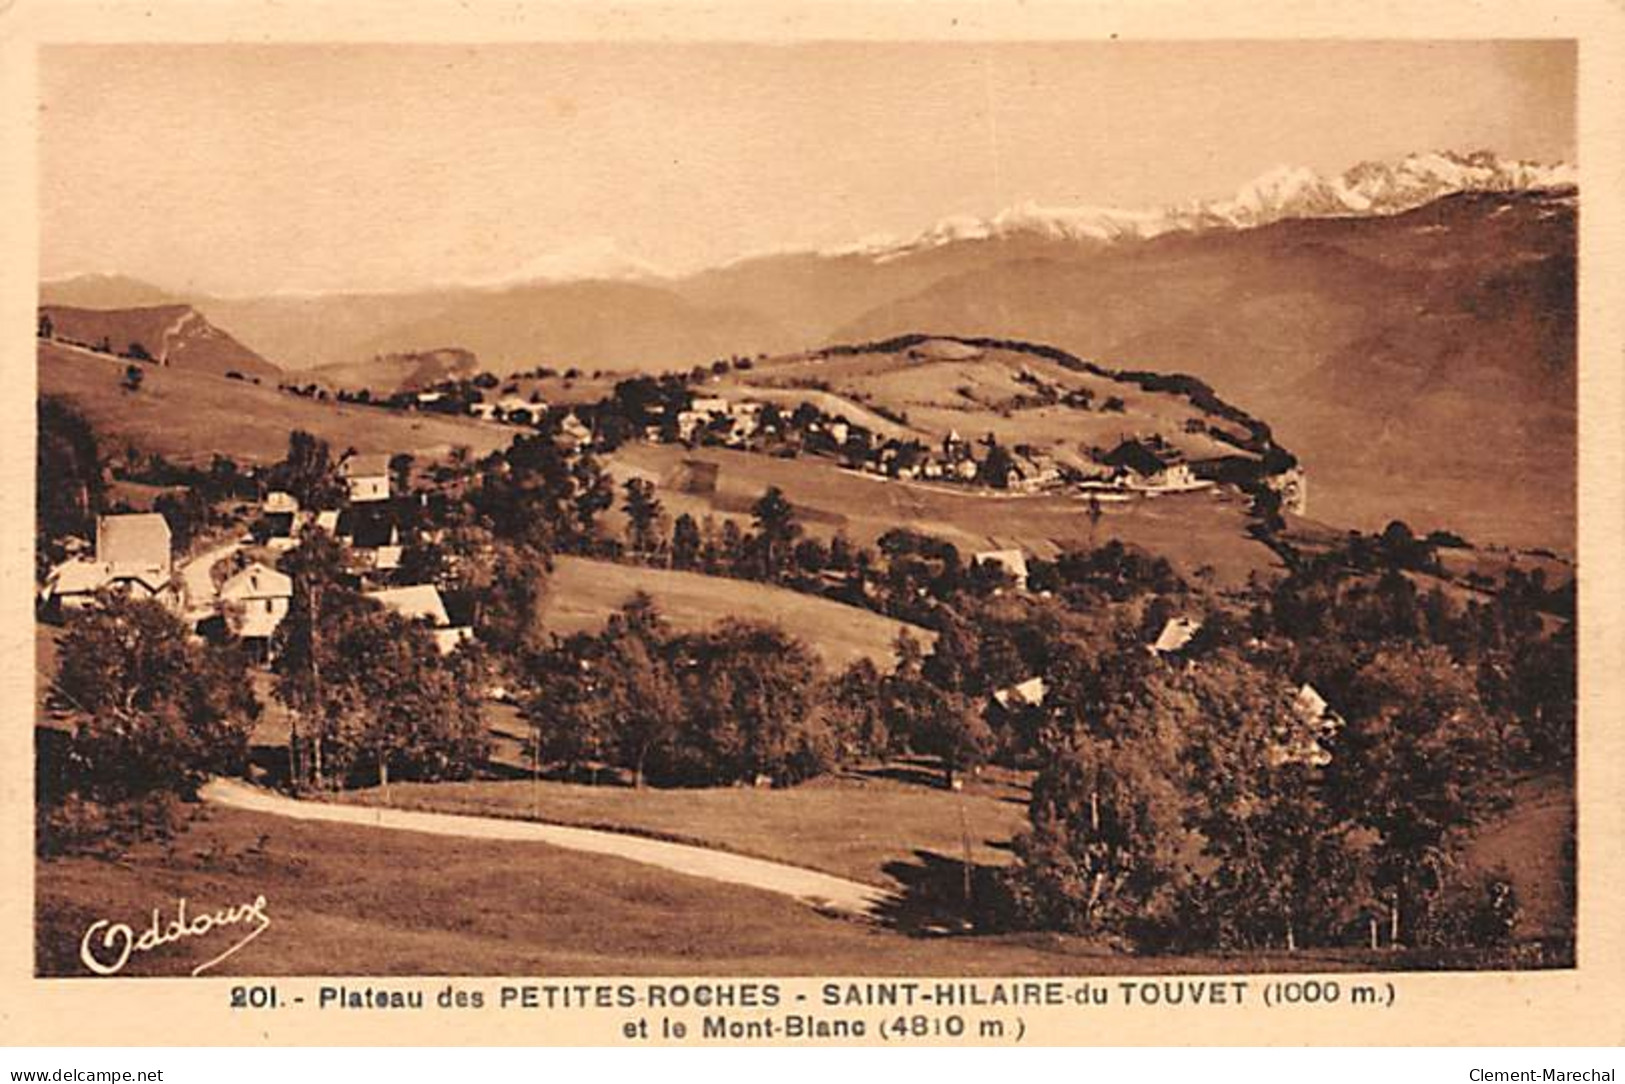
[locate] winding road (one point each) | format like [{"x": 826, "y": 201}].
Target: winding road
[
  {"x": 820, "y": 890},
  {"x": 196, "y": 577}
]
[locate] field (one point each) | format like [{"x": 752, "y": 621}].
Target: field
[
  {"x": 976, "y": 396},
  {"x": 1191, "y": 530},
  {"x": 189, "y": 416},
  {"x": 861, "y": 826},
  {"x": 582, "y": 594}
]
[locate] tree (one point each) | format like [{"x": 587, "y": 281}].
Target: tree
[
  {"x": 1415, "y": 764},
  {"x": 752, "y": 707},
  {"x": 776, "y": 530},
  {"x": 303, "y": 649},
  {"x": 157, "y": 712},
  {"x": 68, "y": 483},
  {"x": 594, "y": 494},
  {"x": 685, "y": 542},
  {"x": 400, "y": 472},
  {"x": 186, "y": 512},
  {"x": 951, "y": 728},
  {"x": 642, "y": 513},
  {"x": 308, "y": 471},
  {"x": 1104, "y": 848},
  {"x": 997, "y": 468},
  {"x": 133, "y": 376},
  {"x": 401, "y": 705},
  {"x": 138, "y": 352}
]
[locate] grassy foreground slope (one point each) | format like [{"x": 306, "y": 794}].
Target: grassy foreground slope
[
  {"x": 350, "y": 900},
  {"x": 583, "y": 593},
  {"x": 189, "y": 416},
  {"x": 858, "y": 827}
]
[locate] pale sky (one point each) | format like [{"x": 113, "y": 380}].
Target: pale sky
[{"x": 248, "y": 169}]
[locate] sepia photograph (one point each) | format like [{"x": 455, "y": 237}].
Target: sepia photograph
[{"x": 925, "y": 509}]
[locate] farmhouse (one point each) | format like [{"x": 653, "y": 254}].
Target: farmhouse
[
  {"x": 1150, "y": 463},
  {"x": 366, "y": 477},
  {"x": 574, "y": 429},
  {"x": 132, "y": 552},
  {"x": 1319, "y": 722},
  {"x": 711, "y": 406},
  {"x": 1029, "y": 693},
  {"x": 422, "y": 602},
  {"x": 254, "y": 601},
  {"x": 1175, "y": 635}
]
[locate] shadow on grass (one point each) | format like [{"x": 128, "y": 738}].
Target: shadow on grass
[{"x": 938, "y": 895}]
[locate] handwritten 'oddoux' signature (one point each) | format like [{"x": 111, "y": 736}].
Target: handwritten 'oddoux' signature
[{"x": 108, "y": 953}]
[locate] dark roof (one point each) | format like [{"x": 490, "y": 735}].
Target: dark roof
[{"x": 1143, "y": 456}]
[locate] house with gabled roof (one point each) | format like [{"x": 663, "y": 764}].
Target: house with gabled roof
[
  {"x": 254, "y": 600},
  {"x": 422, "y": 602},
  {"x": 132, "y": 553},
  {"x": 1176, "y": 635},
  {"x": 366, "y": 478}
]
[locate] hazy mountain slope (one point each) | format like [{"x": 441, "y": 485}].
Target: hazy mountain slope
[
  {"x": 1422, "y": 364},
  {"x": 809, "y": 294},
  {"x": 105, "y": 292},
  {"x": 592, "y": 325},
  {"x": 390, "y": 373},
  {"x": 177, "y": 336}
]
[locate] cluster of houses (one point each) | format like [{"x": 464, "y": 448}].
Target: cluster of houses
[{"x": 134, "y": 553}]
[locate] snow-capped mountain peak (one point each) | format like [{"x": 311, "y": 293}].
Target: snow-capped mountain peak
[
  {"x": 1370, "y": 188},
  {"x": 593, "y": 259}
]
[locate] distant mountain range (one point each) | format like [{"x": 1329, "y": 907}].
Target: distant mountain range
[
  {"x": 1370, "y": 188},
  {"x": 1407, "y": 328}
]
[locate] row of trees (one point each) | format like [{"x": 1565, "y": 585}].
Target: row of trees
[{"x": 742, "y": 702}]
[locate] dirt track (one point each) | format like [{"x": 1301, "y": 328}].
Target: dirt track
[{"x": 816, "y": 889}]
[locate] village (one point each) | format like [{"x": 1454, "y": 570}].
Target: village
[{"x": 674, "y": 410}]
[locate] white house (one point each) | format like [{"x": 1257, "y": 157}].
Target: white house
[
  {"x": 711, "y": 406},
  {"x": 575, "y": 429},
  {"x": 422, "y": 602},
  {"x": 1319, "y": 722},
  {"x": 1012, "y": 561},
  {"x": 278, "y": 503},
  {"x": 1030, "y": 692},
  {"x": 367, "y": 478},
  {"x": 1176, "y": 633},
  {"x": 254, "y": 600}
]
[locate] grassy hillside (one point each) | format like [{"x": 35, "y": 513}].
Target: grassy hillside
[
  {"x": 190, "y": 416},
  {"x": 581, "y": 594},
  {"x": 1191, "y": 530},
  {"x": 982, "y": 391},
  {"x": 353, "y": 900},
  {"x": 863, "y": 828},
  {"x": 175, "y": 336}
]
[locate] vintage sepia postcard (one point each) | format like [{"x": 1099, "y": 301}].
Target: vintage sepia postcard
[{"x": 910, "y": 524}]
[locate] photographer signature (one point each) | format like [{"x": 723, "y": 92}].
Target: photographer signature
[{"x": 108, "y": 953}]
